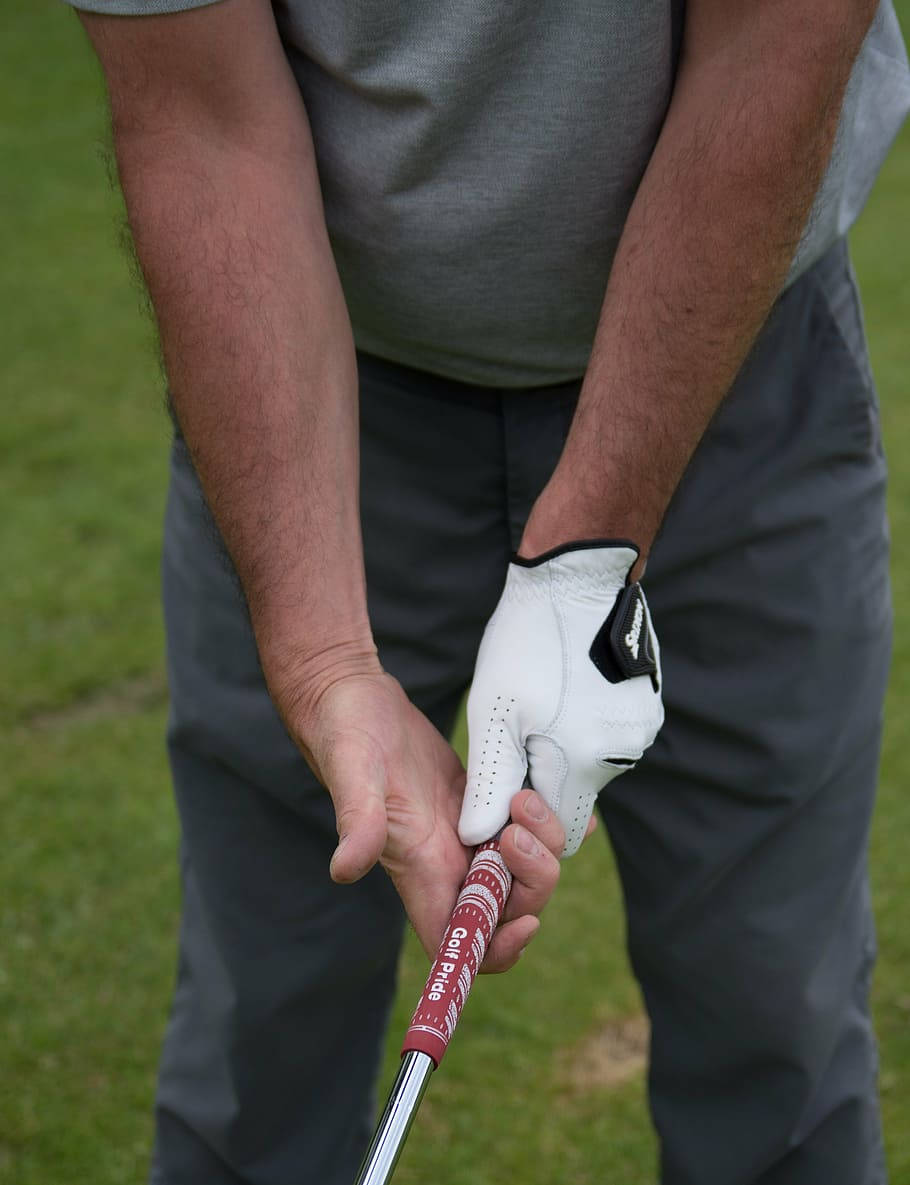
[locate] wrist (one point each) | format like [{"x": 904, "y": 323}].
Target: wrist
[
  {"x": 545, "y": 533},
  {"x": 591, "y": 495},
  {"x": 299, "y": 674}
]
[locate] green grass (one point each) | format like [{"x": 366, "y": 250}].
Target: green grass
[{"x": 88, "y": 894}]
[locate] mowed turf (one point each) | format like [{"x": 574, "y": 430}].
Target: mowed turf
[{"x": 544, "y": 1082}]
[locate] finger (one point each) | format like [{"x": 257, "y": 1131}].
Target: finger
[
  {"x": 528, "y": 808},
  {"x": 358, "y": 793},
  {"x": 496, "y": 768},
  {"x": 592, "y": 826},
  {"x": 508, "y": 945},
  {"x": 534, "y": 868}
]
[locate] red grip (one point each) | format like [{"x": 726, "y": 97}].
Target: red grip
[{"x": 474, "y": 919}]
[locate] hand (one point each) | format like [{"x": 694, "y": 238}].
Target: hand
[
  {"x": 397, "y": 787},
  {"x": 566, "y": 688}
]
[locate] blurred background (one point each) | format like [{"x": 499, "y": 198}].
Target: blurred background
[{"x": 546, "y": 1080}]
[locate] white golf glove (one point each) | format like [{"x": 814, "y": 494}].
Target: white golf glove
[{"x": 566, "y": 689}]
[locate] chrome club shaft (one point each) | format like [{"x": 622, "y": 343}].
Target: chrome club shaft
[{"x": 391, "y": 1133}]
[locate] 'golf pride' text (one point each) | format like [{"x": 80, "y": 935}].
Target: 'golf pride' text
[{"x": 444, "y": 970}]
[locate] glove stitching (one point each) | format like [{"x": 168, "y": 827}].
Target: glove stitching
[
  {"x": 586, "y": 582},
  {"x": 522, "y": 589},
  {"x": 562, "y": 769},
  {"x": 547, "y": 732},
  {"x": 625, "y": 722}
]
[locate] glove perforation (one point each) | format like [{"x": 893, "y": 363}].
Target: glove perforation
[{"x": 487, "y": 774}]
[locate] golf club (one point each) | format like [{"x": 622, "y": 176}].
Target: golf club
[{"x": 474, "y": 919}]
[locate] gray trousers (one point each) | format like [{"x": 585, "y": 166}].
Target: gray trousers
[{"x": 740, "y": 839}]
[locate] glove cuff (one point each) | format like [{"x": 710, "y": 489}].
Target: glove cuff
[
  {"x": 577, "y": 545},
  {"x": 590, "y": 571}
]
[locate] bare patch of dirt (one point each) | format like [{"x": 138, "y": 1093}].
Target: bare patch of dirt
[
  {"x": 612, "y": 1054},
  {"x": 129, "y": 695}
]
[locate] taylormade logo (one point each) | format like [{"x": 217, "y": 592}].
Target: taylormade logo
[{"x": 632, "y": 637}]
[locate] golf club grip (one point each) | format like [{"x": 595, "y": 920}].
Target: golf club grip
[{"x": 471, "y": 927}]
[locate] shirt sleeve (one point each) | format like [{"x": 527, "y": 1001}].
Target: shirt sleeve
[{"x": 137, "y": 7}]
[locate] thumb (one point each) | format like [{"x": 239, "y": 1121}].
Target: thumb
[
  {"x": 357, "y": 788},
  {"x": 496, "y": 768},
  {"x": 570, "y": 787}
]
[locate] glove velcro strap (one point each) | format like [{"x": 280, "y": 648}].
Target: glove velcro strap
[{"x": 623, "y": 647}]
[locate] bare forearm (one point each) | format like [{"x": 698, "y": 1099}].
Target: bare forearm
[
  {"x": 226, "y": 215},
  {"x": 707, "y": 245},
  {"x": 260, "y": 363}
]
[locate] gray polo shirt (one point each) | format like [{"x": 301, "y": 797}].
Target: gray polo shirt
[{"x": 478, "y": 159}]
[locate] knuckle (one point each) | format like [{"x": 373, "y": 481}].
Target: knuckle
[
  {"x": 542, "y": 875},
  {"x": 348, "y": 816},
  {"x": 552, "y": 872}
]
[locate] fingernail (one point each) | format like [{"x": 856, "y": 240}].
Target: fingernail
[
  {"x": 525, "y": 842},
  {"x": 536, "y": 808}
]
